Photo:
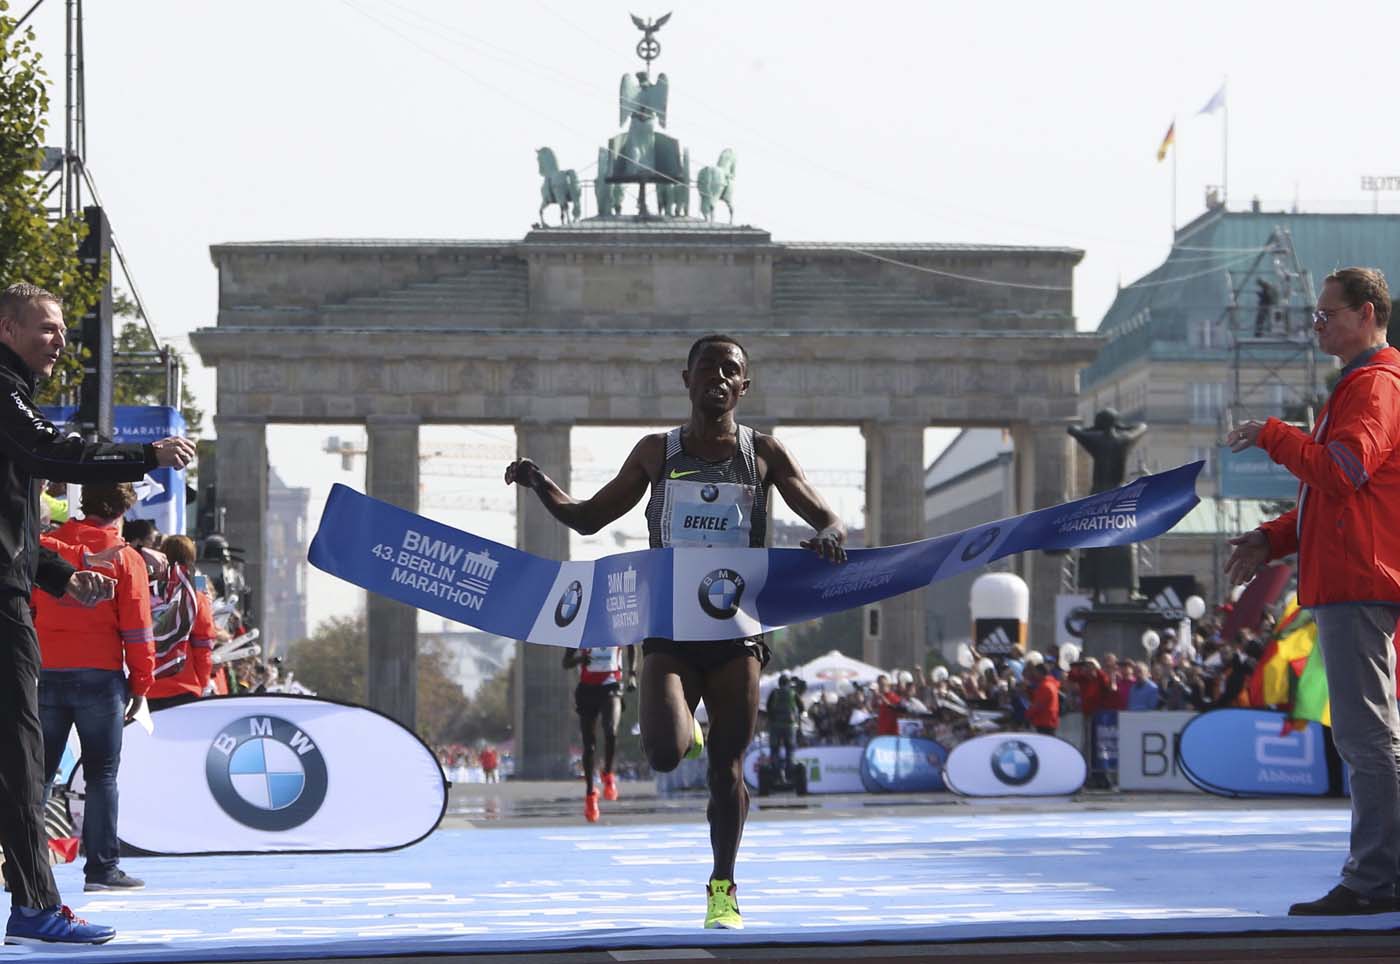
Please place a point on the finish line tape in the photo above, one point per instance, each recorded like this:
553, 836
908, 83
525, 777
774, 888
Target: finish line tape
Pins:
695, 594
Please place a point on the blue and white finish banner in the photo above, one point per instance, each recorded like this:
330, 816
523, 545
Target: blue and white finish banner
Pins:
695, 594
268, 774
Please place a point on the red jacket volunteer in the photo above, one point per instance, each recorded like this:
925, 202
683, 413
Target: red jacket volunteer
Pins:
1349, 474
115, 634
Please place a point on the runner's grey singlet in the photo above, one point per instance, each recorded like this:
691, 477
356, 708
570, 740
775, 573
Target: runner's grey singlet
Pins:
698, 503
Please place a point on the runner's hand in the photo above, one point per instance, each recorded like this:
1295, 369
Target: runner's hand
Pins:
134, 705
827, 544
524, 473
89, 588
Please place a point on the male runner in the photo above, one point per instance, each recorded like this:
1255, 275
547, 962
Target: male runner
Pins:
713, 468
599, 693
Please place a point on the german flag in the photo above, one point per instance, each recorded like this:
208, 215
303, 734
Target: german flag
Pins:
1167, 142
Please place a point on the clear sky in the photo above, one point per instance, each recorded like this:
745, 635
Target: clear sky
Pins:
880, 121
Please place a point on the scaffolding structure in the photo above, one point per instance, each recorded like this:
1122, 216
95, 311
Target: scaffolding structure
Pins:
1274, 368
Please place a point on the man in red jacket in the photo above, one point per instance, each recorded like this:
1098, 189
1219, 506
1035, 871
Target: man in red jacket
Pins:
1044, 711
1348, 552
82, 684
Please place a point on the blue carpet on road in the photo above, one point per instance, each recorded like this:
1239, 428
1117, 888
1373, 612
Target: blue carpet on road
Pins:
936, 878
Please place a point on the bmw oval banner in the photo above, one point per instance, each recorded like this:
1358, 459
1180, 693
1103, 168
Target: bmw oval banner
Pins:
1015, 765
260, 774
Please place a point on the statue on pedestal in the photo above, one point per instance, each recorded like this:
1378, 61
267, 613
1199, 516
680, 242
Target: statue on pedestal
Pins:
1108, 442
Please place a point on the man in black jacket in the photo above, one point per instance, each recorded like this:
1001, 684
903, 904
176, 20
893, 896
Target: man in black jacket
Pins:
32, 337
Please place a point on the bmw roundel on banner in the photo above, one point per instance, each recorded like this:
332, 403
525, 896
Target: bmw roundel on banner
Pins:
1015, 765
564, 616
901, 764
267, 774
1253, 753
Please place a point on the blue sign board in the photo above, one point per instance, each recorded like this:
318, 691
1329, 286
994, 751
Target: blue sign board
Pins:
145, 423
902, 764
1253, 753
1251, 474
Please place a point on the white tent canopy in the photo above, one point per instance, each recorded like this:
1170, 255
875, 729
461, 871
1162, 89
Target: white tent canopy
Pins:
821, 674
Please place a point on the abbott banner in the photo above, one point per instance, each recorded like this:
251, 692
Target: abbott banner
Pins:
263, 774
694, 594
1253, 753
1015, 765
1147, 751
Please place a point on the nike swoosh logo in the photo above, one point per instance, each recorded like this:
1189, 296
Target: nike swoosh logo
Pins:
681, 475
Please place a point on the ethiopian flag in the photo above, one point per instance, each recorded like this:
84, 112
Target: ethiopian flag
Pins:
1285, 659
1167, 142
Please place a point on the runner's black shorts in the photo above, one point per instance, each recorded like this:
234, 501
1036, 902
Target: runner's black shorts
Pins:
709, 656
590, 697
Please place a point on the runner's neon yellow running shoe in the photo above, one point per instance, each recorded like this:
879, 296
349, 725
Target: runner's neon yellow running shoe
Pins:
723, 910
697, 741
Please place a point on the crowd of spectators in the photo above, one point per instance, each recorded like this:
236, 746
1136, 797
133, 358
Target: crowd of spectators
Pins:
1031, 692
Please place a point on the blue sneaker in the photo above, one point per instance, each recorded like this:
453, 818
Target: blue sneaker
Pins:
54, 925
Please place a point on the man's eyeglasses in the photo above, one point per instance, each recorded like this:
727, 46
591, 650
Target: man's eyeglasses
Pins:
1323, 315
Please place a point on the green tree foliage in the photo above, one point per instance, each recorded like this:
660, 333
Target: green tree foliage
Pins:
32, 247
332, 661
131, 388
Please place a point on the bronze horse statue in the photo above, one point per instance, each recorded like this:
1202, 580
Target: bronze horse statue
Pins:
559, 187
717, 184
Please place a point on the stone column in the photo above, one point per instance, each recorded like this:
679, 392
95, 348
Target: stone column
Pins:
391, 474
1044, 473
545, 722
241, 470
894, 513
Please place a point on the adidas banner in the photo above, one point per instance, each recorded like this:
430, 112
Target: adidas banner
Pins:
695, 594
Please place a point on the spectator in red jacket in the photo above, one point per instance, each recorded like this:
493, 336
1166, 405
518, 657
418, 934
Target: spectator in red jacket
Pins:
82, 682
1044, 711
1095, 688
887, 707
184, 632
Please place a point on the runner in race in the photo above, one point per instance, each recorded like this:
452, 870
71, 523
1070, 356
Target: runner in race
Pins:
708, 482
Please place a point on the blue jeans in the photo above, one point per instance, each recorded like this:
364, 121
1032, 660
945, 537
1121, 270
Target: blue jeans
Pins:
94, 700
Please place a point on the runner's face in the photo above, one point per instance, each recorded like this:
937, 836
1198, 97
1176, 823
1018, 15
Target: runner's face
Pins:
718, 379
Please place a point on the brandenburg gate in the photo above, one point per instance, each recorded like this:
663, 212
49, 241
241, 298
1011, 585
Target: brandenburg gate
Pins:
588, 322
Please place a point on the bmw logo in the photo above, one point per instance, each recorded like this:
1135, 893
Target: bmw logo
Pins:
720, 592
710, 492
981, 543
569, 604
266, 773
1015, 763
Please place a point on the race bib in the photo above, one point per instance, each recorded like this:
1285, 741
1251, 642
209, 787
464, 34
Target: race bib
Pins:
705, 514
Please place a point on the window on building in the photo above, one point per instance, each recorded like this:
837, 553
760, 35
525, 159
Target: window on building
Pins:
1207, 401
1206, 454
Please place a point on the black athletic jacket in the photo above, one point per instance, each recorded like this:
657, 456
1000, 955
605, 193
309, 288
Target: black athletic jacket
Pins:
30, 449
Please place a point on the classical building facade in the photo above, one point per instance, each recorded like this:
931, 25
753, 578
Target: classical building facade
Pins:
588, 325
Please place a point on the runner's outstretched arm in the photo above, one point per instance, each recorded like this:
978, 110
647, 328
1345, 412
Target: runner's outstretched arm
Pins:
787, 477
610, 503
